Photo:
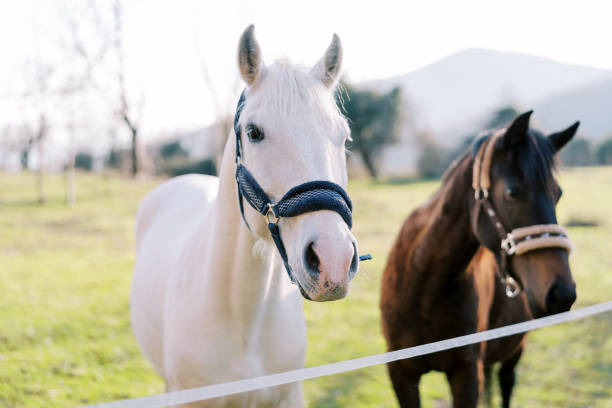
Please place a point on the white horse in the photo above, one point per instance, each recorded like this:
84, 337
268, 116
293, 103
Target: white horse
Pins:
211, 301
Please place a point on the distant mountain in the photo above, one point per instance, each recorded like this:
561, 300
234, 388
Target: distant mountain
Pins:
591, 104
453, 96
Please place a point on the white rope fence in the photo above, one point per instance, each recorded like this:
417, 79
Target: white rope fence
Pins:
235, 387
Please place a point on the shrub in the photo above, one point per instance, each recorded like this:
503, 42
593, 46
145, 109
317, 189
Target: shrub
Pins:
83, 161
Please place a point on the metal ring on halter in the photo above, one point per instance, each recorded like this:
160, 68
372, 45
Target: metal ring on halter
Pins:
271, 215
512, 287
481, 193
508, 244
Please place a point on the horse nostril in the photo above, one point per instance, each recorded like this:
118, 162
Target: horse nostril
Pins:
560, 298
311, 258
354, 262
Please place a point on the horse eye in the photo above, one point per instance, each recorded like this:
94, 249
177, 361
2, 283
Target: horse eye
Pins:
513, 192
254, 134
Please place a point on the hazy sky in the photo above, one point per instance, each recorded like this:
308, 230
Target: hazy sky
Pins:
166, 40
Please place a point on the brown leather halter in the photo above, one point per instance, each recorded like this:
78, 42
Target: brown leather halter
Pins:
519, 240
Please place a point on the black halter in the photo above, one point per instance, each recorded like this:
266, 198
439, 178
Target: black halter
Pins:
301, 199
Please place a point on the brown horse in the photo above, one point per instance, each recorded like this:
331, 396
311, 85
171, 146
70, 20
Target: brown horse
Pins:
442, 276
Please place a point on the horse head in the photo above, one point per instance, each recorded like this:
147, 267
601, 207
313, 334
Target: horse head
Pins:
515, 215
290, 132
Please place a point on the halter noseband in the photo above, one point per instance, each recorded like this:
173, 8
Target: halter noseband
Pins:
519, 240
307, 197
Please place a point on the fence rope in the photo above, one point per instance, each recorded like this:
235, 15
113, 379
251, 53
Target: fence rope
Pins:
251, 384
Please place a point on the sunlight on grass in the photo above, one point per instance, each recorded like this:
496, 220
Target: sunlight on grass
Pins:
65, 274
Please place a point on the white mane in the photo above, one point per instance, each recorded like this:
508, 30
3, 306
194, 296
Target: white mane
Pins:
289, 90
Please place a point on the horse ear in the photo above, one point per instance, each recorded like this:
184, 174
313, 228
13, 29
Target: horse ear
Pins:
249, 56
560, 139
328, 67
517, 130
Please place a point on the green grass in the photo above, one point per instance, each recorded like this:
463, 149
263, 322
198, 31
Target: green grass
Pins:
65, 273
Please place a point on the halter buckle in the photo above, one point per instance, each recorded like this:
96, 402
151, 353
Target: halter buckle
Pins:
508, 244
271, 215
481, 193
512, 287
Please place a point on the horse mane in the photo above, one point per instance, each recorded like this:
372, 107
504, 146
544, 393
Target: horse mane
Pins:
534, 157
287, 88
455, 165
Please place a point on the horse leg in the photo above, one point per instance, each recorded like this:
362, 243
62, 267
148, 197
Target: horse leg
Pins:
466, 384
488, 383
507, 377
405, 384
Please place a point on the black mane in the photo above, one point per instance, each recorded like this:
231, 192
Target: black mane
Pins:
534, 157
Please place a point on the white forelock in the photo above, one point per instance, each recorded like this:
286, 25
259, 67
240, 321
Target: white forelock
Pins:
287, 89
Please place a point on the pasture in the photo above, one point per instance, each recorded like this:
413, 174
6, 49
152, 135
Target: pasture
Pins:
65, 275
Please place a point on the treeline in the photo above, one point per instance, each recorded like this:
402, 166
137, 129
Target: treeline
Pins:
435, 159
375, 120
582, 152
170, 158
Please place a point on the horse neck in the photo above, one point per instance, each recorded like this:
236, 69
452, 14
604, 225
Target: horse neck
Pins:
244, 286
448, 243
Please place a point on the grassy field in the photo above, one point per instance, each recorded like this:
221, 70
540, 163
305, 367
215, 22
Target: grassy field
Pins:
65, 273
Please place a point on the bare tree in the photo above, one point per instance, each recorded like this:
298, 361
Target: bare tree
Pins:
221, 91
34, 137
38, 99
109, 52
71, 194
40, 135
47, 83
125, 109
223, 104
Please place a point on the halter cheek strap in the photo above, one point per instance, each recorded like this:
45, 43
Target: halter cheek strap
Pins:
304, 198
307, 197
519, 240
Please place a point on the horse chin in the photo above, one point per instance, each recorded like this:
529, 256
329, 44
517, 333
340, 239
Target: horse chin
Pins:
537, 311
321, 291
337, 293
326, 296
535, 307
302, 291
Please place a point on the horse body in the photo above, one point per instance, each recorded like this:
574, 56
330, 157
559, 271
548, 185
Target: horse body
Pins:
211, 299
199, 287
442, 275
428, 294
